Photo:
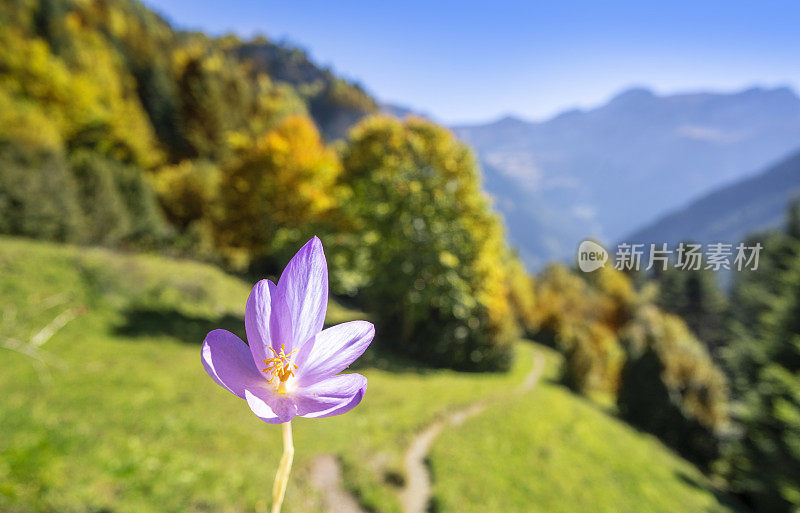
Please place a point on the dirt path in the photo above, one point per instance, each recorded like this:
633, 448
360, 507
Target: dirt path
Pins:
416, 494
326, 474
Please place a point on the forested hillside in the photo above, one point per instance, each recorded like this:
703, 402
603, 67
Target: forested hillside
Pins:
755, 336
335, 104
142, 136
182, 94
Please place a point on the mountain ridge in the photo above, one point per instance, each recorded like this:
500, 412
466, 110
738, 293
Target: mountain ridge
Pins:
603, 172
730, 213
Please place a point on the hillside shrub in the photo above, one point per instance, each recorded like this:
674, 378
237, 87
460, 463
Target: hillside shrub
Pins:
38, 195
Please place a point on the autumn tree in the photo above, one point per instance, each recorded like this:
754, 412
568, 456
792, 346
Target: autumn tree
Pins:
671, 387
276, 189
425, 249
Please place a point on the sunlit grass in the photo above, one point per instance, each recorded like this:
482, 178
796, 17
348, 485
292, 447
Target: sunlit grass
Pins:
128, 421
552, 451
125, 419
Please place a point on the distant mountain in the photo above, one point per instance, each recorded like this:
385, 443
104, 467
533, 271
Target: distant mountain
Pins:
606, 171
730, 213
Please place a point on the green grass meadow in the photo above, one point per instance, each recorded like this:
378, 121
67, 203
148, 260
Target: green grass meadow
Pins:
552, 451
116, 414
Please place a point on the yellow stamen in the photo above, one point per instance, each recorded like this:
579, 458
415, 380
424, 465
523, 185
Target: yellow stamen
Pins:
280, 366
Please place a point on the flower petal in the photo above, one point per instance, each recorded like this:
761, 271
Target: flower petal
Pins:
266, 321
257, 316
304, 287
261, 409
227, 360
332, 396
333, 350
269, 406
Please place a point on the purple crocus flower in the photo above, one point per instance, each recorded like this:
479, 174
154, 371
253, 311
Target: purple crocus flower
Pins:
292, 365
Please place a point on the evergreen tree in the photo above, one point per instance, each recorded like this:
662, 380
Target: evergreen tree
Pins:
793, 220
763, 463
146, 224
106, 217
695, 296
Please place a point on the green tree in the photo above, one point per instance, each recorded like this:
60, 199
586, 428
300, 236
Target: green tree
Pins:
763, 358
756, 296
695, 296
105, 214
38, 196
793, 220
146, 225
430, 249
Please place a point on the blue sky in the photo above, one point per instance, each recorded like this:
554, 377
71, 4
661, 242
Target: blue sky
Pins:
476, 61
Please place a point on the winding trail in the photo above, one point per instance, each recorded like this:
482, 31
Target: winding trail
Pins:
416, 494
326, 473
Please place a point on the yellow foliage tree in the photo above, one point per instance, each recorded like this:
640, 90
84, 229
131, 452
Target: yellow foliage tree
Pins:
671, 386
188, 191
87, 96
278, 185
522, 293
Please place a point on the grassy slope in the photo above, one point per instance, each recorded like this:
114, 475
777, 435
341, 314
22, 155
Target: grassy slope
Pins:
551, 451
128, 421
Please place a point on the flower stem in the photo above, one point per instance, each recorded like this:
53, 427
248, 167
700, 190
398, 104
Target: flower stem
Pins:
282, 476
